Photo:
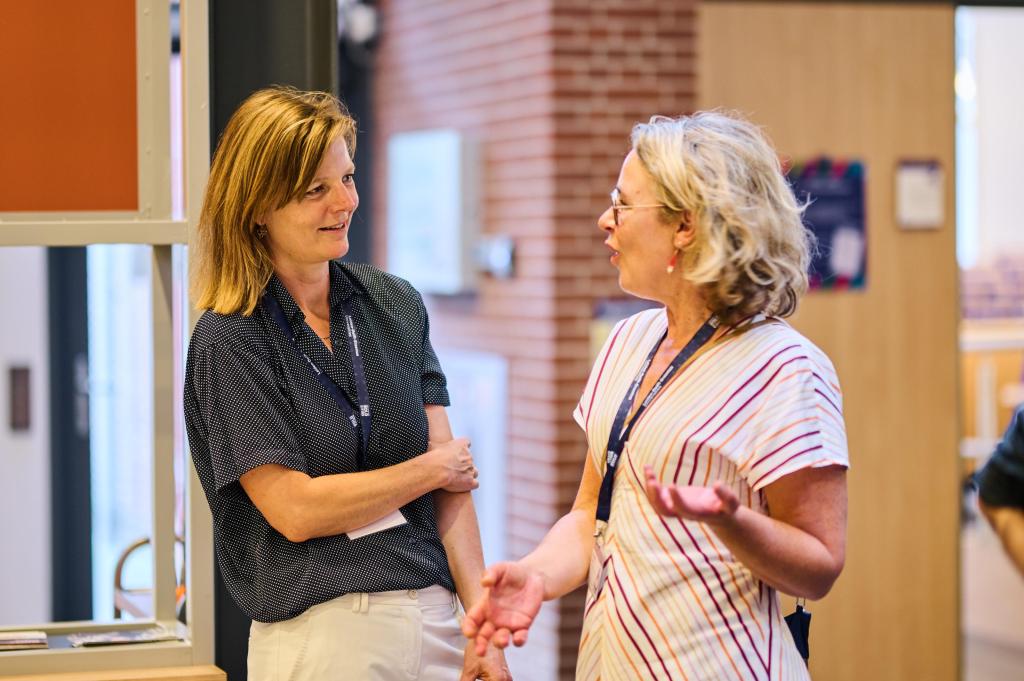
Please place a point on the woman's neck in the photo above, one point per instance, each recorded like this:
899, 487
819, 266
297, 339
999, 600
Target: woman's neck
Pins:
308, 285
686, 314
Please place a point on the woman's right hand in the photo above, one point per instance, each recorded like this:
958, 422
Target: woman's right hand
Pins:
513, 594
455, 462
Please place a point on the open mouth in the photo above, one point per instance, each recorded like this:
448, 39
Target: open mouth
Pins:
333, 228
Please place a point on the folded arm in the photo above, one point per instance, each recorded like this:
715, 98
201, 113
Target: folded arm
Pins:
460, 534
456, 521
301, 507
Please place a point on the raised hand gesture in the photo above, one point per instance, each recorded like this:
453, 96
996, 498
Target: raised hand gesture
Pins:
512, 598
705, 504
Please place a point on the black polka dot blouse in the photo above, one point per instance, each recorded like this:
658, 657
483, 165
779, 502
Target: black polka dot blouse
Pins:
251, 399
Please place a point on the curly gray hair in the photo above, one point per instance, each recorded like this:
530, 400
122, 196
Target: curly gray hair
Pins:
751, 251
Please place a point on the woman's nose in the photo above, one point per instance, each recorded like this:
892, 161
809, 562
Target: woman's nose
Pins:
344, 198
605, 221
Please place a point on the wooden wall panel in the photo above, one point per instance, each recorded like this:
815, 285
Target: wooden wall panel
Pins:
874, 82
198, 673
68, 117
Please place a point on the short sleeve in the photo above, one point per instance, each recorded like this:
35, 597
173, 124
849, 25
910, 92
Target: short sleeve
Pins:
1001, 481
433, 383
244, 413
800, 422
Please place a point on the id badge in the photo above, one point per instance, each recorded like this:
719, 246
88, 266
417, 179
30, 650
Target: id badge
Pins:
393, 519
598, 572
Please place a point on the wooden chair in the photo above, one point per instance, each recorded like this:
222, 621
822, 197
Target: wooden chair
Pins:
138, 602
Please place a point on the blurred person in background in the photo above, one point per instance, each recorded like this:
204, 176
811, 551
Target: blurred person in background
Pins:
716, 470
1001, 490
315, 408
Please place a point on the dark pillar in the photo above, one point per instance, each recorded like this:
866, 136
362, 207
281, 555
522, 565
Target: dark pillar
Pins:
253, 44
70, 486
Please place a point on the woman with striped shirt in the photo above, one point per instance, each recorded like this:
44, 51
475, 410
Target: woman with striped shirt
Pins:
716, 472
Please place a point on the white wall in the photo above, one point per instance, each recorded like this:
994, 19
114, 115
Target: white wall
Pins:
478, 386
998, 69
24, 456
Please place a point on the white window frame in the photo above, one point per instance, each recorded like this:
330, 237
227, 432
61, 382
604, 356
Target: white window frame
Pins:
151, 225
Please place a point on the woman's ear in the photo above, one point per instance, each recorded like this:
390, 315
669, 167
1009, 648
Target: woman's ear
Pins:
685, 231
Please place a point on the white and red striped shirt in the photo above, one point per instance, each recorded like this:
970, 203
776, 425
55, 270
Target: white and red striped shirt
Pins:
674, 602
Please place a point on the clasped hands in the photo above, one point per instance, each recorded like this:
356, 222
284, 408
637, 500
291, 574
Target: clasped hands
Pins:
513, 592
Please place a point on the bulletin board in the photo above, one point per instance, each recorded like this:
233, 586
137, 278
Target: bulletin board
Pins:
834, 192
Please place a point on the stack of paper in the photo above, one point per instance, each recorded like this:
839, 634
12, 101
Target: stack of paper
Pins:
22, 640
123, 637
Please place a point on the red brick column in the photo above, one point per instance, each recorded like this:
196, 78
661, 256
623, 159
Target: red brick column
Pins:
549, 89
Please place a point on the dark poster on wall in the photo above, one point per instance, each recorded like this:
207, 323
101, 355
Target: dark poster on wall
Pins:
834, 191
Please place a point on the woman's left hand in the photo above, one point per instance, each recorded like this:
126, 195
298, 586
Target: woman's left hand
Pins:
488, 667
704, 504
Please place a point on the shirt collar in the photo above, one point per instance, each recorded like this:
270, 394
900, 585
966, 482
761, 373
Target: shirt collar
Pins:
341, 289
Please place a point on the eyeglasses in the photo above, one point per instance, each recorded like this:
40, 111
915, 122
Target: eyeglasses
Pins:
618, 207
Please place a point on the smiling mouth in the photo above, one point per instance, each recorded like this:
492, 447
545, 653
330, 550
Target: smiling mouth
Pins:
333, 228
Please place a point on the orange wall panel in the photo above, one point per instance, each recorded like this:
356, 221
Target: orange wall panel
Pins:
68, 132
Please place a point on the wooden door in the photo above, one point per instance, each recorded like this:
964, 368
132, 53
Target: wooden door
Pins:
874, 82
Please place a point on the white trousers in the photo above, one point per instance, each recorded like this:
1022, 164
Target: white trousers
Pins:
388, 636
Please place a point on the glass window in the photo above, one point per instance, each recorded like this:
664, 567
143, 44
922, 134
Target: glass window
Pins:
78, 460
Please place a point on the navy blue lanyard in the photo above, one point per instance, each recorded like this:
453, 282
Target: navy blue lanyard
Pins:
361, 423
620, 431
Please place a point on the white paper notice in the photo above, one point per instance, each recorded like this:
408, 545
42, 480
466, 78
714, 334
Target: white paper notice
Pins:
393, 519
847, 256
920, 195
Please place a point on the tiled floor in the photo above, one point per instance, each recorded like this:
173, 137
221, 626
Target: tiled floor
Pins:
987, 661
992, 608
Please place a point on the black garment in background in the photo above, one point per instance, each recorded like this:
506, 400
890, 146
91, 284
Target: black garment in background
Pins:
1001, 481
254, 44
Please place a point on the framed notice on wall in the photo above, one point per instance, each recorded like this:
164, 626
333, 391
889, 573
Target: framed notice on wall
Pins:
432, 209
834, 192
920, 194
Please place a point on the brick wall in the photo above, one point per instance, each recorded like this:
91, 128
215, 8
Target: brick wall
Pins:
549, 89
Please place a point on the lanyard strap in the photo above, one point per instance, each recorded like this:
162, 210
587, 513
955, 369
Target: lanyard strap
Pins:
621, 430
361, 423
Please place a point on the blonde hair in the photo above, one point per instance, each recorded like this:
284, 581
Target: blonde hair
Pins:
751, 251
268, 155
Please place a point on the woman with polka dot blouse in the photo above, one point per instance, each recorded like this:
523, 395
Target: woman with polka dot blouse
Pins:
315, 409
